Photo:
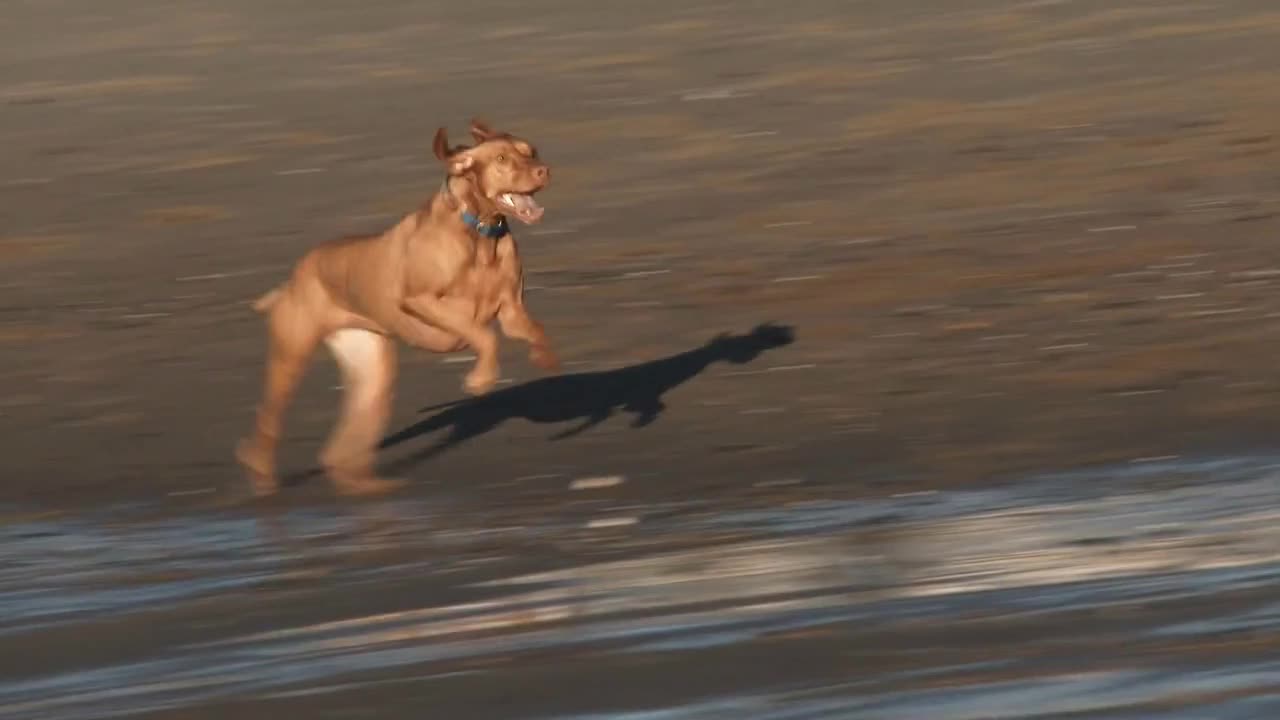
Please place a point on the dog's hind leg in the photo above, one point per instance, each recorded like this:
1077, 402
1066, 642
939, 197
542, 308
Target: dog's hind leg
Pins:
292, 338
367, 361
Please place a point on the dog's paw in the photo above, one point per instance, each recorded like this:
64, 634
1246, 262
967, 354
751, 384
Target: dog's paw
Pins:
478, 382
260, 469
545, 358
367, 485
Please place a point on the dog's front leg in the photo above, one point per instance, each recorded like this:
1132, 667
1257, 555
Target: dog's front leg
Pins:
453, 318
517, 323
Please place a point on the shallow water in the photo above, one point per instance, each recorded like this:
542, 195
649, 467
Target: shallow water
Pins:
1143, 590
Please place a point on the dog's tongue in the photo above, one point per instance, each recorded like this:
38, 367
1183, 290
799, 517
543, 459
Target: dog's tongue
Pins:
527, 209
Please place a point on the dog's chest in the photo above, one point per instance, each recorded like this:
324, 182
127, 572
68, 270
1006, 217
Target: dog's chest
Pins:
480, 274
486, 284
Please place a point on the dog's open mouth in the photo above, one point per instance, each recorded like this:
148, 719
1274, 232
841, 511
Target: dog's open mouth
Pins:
524, 206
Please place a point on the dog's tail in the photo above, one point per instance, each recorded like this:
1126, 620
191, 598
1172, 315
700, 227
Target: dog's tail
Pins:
267, 301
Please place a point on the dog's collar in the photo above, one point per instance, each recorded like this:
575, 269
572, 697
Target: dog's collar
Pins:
492, 230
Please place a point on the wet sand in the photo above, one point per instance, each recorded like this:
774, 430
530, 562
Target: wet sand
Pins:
1009, 240
1145, 591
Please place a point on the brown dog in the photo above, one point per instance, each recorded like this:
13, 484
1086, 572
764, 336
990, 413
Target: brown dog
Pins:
436, 280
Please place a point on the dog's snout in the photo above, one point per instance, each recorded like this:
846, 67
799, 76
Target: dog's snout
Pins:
542, 173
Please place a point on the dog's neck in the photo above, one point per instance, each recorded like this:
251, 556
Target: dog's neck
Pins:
492, 226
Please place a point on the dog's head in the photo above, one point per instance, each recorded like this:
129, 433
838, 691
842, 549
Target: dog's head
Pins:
741, 349
504, 170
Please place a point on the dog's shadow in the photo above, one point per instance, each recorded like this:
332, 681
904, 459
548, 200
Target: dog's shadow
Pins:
589, 397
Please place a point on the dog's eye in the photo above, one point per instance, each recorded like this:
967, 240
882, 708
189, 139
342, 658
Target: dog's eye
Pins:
502, 158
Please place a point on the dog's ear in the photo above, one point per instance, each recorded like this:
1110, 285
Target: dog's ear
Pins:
481, 131
456, 160
441, 145
461, 163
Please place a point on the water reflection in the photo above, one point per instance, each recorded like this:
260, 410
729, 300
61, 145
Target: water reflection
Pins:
1115, 537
